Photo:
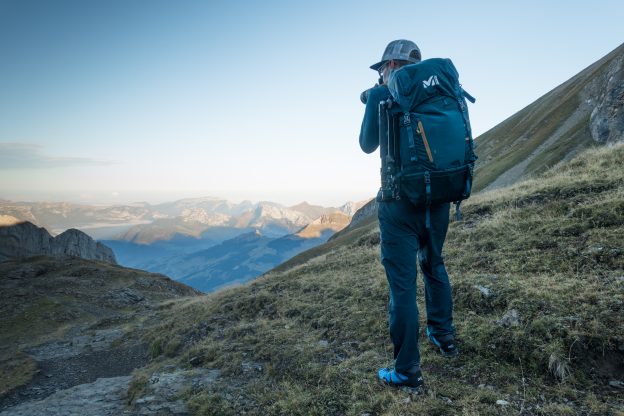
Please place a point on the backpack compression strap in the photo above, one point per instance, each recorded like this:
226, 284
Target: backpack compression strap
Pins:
410, 135
427, 200
468, 96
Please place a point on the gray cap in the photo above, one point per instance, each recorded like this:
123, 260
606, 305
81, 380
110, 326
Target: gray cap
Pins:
401, 49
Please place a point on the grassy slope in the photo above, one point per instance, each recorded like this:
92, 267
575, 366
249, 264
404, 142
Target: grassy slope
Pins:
308, 340
513, 140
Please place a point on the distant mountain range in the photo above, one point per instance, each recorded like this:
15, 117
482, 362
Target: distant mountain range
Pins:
226, 255
246, 256
144, 223
187, 239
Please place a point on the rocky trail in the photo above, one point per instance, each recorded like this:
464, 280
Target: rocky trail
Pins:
88, 372
87, 361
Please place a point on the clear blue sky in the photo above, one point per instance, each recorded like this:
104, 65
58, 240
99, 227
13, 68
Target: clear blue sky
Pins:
133, 100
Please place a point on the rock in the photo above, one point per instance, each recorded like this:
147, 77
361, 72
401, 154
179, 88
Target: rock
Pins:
616, 384
124, 297
247, 366
364, 212
510, 319
26, 240
74, 242
606, 122
485, 291
502, 402
323, 343
162, 393
105, 397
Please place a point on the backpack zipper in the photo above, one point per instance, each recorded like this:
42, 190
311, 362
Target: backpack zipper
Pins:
421, 131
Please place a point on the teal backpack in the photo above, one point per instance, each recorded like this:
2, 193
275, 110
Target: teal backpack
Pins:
425, 136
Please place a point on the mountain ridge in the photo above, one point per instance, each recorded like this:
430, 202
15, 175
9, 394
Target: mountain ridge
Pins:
584, 111
24, 239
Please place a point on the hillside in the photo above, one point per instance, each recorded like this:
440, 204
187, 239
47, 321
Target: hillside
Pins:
537, 272
68, 321
585, 111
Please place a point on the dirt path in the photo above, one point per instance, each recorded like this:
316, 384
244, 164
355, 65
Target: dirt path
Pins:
103, 397
57, 374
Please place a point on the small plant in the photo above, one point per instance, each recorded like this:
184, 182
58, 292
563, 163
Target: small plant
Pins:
156, 348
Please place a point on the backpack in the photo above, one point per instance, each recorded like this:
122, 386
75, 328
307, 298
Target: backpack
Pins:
426, 136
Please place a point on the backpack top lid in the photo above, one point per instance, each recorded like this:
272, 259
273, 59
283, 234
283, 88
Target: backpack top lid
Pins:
414, 84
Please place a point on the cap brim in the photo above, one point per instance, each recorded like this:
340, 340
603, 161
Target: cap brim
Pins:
375, 67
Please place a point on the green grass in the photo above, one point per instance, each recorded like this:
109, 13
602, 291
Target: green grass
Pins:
33, 319
308, 339
17, 370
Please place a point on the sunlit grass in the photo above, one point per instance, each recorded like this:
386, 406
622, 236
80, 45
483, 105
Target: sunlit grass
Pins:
308, 340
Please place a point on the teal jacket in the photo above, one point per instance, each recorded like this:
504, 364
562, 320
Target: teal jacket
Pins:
369, 133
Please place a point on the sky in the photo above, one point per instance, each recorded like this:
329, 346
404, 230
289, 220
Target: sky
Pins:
115, 101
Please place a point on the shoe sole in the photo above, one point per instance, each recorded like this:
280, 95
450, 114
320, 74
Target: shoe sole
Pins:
444, 353
406, 389
448, 355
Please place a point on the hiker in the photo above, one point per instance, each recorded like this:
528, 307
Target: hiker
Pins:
409, 232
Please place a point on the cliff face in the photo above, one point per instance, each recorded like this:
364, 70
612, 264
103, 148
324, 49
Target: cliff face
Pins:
607, 118
26, 239
76, 243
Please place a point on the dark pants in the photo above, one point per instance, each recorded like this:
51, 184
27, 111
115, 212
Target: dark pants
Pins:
404, 238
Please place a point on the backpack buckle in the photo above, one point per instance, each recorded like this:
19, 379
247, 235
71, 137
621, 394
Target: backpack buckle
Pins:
406, 119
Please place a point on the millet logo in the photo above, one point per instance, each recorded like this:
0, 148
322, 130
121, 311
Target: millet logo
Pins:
433, 80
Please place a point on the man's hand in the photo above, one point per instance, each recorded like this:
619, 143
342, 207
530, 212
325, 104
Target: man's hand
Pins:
365, 94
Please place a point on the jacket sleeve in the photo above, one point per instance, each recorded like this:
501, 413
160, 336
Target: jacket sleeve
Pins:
369, 134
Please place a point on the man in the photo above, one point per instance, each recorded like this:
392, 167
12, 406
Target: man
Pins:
405, 238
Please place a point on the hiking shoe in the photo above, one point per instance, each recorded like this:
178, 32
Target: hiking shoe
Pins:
446, 343
412, 382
